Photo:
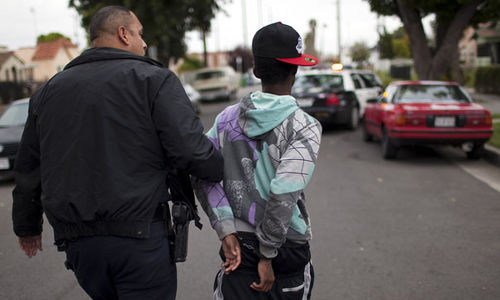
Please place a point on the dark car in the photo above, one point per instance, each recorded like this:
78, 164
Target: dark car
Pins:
335, 97
427, 113
11, 129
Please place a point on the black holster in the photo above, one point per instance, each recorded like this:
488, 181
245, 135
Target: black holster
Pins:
180, 218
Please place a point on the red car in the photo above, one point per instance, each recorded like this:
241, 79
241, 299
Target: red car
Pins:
429, 113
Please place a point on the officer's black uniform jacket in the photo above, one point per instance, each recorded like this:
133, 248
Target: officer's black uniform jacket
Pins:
99, 140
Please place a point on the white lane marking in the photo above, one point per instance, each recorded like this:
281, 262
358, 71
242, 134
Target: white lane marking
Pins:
483, 171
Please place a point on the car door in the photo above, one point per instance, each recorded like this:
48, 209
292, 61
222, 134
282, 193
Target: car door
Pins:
362, 93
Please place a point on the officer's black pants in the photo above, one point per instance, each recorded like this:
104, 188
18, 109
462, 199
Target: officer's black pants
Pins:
110, 267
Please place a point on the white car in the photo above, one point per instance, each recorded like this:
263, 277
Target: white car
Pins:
336, 96
194, 96
216, 83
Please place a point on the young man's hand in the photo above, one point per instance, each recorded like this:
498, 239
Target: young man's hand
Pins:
266, 275
31, 244
232, 251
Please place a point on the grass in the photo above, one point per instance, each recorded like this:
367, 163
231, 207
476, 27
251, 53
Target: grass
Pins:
495, 139
495, 116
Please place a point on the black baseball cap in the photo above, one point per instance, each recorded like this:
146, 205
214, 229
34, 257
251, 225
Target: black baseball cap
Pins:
283, 43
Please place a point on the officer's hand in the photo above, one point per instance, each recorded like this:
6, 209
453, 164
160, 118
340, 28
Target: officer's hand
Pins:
266, 275
31, 244
232, 251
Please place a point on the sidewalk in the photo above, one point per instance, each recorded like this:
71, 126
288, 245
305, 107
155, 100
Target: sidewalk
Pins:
490, 101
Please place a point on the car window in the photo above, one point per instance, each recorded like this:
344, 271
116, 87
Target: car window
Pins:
318, 80
15, 115
370, 80
209, 75
389, 92
430, 93
356, 81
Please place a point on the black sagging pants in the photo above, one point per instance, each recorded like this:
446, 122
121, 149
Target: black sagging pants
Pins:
111, 267
292, 268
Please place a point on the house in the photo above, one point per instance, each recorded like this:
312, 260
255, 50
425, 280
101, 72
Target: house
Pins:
11, 67
488, 43
467, 48
48, 58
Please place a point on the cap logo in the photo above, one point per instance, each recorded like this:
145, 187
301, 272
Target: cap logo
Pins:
311, 60
299, 45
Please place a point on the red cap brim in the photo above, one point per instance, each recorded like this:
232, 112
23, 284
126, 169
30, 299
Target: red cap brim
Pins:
304, 60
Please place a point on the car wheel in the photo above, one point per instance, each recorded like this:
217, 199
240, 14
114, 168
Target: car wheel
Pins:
389, 151
353, 118
367, 137
476, 151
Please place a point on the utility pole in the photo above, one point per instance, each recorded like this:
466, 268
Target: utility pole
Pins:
259, 12
244, 20
338, 31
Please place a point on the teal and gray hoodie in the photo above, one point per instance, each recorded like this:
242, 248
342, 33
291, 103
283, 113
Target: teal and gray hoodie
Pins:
270, 147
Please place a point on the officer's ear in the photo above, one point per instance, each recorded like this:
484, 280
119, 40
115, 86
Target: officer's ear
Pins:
124, 35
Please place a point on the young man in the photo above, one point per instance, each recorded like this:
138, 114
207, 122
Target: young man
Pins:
100, 139
270, 147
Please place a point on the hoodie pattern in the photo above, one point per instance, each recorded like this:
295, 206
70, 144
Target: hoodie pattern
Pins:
270, 147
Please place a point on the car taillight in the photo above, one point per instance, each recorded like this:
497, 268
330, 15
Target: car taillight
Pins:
488, 120
400, 119
333, 99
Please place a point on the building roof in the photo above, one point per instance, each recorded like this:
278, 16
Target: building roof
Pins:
4, 56
47, 50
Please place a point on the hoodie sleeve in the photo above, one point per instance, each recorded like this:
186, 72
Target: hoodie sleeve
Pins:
292, 175
212, 197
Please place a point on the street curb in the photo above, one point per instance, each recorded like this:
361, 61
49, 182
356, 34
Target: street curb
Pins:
492, 149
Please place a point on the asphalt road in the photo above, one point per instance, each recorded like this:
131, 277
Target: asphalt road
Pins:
423, 226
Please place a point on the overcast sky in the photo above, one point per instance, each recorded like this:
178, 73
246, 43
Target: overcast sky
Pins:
22, 20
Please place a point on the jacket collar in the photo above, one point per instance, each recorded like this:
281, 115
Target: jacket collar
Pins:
105, 53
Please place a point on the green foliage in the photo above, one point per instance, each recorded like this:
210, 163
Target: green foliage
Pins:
401, 47
469, 77
359, 52
165, 22
190, 63
495, 139
384, 77
385, 45
50, 37
394, 45
487, 79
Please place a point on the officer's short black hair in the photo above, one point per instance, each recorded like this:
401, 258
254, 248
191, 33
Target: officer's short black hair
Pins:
272, 71
108, 19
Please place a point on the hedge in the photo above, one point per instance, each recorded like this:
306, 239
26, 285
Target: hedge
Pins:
488, 79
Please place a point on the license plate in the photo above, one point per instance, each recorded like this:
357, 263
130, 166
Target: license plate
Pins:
444, 122
305, 102
4, 164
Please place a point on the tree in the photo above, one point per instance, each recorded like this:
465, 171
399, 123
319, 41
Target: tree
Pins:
360, 52
201, 16
246, 59
50, 37
385, 46
165, 22
190, 63
451, 17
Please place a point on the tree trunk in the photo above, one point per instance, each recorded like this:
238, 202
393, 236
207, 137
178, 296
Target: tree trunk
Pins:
205, 54
427, 66
449, 45
421, 53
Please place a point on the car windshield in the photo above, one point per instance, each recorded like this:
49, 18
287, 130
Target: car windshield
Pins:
430, 93
15, 115
209, 75
307, 82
